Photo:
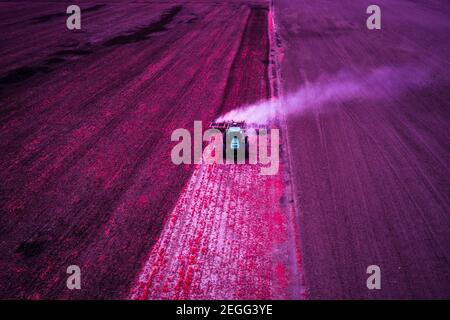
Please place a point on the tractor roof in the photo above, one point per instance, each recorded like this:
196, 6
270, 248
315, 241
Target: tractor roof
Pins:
227, 125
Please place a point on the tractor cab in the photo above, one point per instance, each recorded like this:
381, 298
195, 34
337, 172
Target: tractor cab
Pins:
234, 133
235, 143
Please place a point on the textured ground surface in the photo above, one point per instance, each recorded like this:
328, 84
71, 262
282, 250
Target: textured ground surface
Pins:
230, 241
86, 119
371, 164
86, 176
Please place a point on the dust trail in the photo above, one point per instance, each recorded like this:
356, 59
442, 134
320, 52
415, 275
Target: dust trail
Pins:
378, 84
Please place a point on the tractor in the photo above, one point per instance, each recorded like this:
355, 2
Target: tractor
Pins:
235, 141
